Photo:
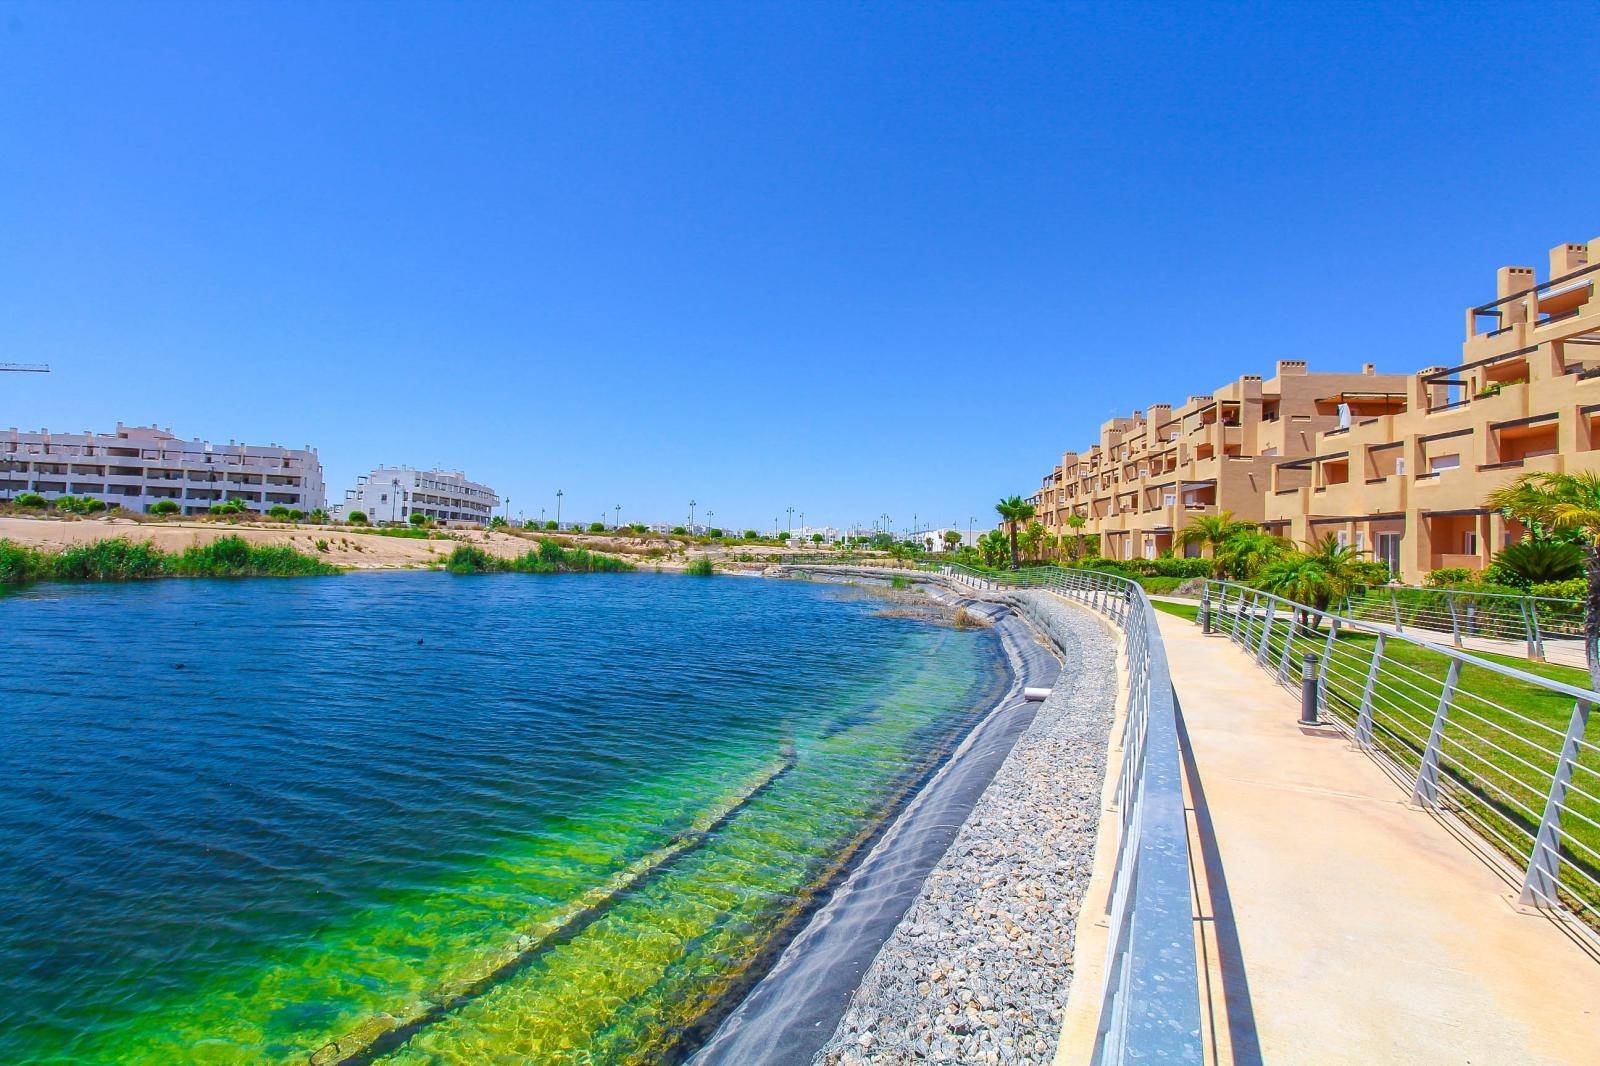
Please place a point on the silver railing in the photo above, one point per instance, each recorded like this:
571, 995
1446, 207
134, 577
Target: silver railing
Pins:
1504, 751
1542, 628
1150, 1005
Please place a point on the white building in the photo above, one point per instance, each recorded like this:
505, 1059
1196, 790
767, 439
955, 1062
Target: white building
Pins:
137, 466
395, 493
936, 535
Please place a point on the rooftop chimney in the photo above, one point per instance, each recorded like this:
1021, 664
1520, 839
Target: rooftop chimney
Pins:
1369, 368
1508, 280
1291, 366
1565, 258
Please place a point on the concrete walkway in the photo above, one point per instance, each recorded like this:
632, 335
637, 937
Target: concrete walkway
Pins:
1345, 926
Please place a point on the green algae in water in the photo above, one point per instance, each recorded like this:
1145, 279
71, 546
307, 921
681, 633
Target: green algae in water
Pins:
864, 718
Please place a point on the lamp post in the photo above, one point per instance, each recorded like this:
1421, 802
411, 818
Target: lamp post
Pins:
616, 520
790, 512
709, 523
559, 494
691, 517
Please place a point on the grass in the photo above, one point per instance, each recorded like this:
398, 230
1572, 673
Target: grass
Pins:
1498, 745
120, 559
701, 566
548, 558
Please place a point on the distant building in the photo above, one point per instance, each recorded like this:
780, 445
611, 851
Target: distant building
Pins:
395, 493
936, 535
137, 466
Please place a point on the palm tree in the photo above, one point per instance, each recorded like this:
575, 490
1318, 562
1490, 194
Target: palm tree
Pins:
1564, 502
1321, 574
1211, 531
1014, 509
1249, 553
992, 547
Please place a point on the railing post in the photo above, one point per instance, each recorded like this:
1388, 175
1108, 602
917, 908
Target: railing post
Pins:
1288, 643
1426, 789
1327, 650
1205, 609
1536, 649
1455, 621
1394, 605
1542, 878
1527, 626
1266, 634
1364, 713
1238, 614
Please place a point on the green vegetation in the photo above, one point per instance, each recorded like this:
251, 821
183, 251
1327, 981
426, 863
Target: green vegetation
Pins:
418, 520
597, 527
1014, 509
1567, 505
548, 558
120, 559
229, 507
31, 499
78, 504
357, 518
552, 524
701, 566
164, 507
751, 534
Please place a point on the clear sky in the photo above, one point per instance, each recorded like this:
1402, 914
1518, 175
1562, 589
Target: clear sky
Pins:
854, 259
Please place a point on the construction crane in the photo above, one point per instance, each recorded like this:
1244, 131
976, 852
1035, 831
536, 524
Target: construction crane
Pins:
26, 368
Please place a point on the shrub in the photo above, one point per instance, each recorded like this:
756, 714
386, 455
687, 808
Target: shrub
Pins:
467, 559
751, 534
296, 515
356, 518
117, 559
714, 534
1538, 562
701, 566
784, 537
679, 531
640, 528
418, 519
318, 515
20, 564
79, 504
1447, 577
31, 499
237, 557
164, 507
278, 511
1575, 588
597, 527
552, 524
229, 507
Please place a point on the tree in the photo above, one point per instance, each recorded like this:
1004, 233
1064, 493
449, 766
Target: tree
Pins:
1318, 576
817, 538
1211, 531
357, 518
751, 534
1564, 503
418, 519
1033, 536
597, 527
1014, 509
783, 537
952, 537
552, 524
1248, 553
1077, 522
992, 547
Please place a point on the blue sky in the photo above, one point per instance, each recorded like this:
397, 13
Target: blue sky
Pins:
851, 259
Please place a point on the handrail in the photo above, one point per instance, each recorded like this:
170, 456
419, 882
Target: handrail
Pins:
1150, 1002
1506, 755
1535, 622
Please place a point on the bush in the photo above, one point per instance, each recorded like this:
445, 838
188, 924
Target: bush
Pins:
467, 559
679, 531
357, 518
597, 527
118, 559
548, 558
1575, 588
751, 534
783, 537
1538, 562
552, 524
31, 499
278, 511
1448, 577
701, 566
318, 515
79, 504
229, 507
714, 534
164, 507
418, 519
640, 528
237, 557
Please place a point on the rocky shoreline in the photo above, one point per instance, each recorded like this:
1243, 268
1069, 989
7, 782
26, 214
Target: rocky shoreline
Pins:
979, 968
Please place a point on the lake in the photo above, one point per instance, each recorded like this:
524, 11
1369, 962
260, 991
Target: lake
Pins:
416, 818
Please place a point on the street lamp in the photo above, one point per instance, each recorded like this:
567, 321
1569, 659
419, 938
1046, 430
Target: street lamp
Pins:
616, 521
691, 516
559, 494
790, 511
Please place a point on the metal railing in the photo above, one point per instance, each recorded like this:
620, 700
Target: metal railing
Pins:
1541, 627
1503, 751
1150, 1005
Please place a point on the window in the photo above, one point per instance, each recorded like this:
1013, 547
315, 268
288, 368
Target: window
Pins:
1389, 551
1361, 541
1344, 538
1443, 462
1469, 543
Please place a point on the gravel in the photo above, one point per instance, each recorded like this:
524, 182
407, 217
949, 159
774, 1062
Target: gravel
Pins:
978, 969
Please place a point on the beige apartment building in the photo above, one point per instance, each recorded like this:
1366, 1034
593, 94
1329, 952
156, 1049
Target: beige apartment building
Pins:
1408, 485
1153, 471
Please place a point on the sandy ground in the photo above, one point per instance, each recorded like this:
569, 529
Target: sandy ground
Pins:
348, 546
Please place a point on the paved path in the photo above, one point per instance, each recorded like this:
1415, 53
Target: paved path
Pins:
1361, 930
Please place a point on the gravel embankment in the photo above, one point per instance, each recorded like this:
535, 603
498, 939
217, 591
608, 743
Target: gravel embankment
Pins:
978, 969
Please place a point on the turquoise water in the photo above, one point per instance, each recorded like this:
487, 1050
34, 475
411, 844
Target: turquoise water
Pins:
413, 818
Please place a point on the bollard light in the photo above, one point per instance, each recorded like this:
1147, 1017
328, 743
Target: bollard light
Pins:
1308, 690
